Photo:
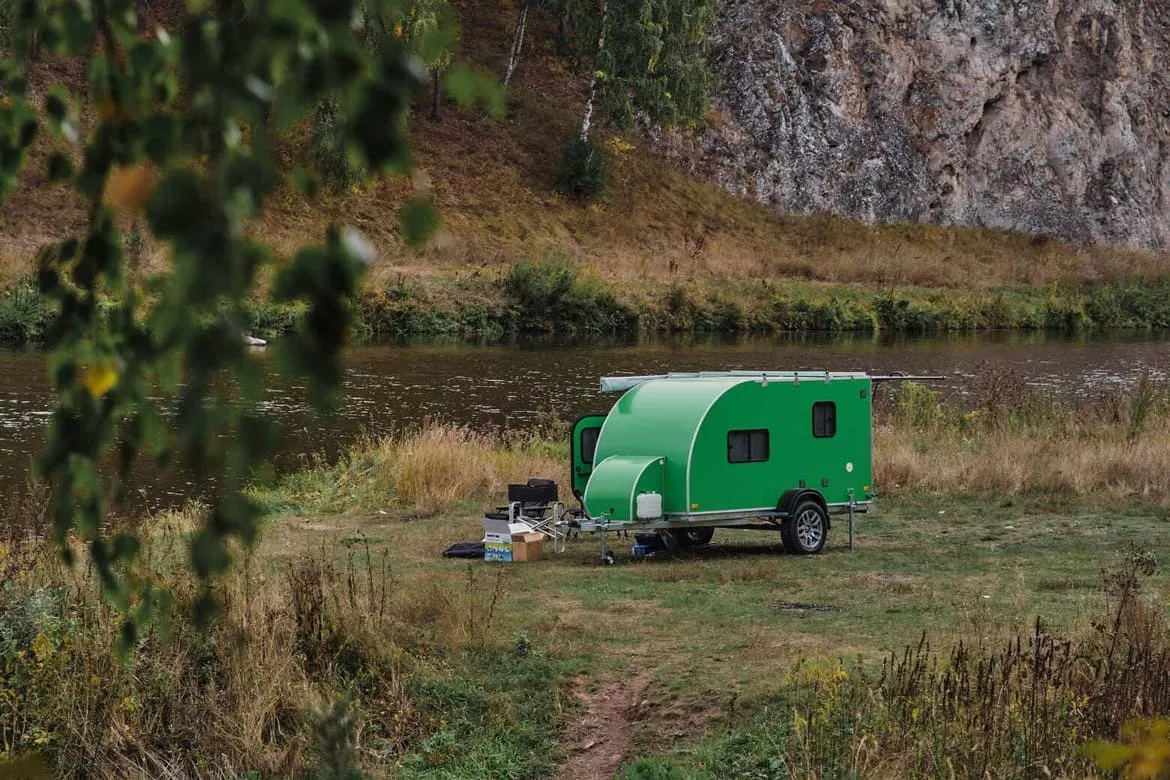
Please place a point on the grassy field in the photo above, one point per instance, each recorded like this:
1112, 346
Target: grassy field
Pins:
346, 640
713, 622
720, 631
983, 624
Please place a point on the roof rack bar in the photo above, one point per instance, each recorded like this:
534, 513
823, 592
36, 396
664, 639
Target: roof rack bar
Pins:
611, 384
907, 378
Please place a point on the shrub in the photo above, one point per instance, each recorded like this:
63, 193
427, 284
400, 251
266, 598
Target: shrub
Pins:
582, 174
550, 295
917, 406
330, 156
24, 314
539, 288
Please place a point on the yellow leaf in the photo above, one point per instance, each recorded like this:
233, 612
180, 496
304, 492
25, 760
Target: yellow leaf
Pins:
100, 379
42, 646
129, 187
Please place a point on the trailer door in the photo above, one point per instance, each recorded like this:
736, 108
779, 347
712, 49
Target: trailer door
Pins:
582, 448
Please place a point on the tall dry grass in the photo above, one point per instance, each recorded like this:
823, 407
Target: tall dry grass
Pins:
1011, 440
1017, 440
425, 470
323, 664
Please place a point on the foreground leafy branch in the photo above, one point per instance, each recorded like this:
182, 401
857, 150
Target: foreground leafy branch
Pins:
181, 132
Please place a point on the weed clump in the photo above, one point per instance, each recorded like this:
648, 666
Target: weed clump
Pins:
24, 314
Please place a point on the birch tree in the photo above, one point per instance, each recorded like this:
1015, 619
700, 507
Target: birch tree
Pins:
517, 43
647, 61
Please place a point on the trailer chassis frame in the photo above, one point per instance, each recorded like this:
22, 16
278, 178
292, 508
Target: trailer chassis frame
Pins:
760, 521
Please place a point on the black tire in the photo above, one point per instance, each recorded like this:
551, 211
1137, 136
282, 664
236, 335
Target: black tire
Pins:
692, 537
806, 532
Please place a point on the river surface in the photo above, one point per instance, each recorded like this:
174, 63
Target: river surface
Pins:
515, 385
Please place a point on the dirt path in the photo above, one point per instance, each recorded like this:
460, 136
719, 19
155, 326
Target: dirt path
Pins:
604, 735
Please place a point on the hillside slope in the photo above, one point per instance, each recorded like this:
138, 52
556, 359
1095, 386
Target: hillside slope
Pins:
658, 229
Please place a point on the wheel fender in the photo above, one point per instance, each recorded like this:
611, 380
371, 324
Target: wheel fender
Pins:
789, 501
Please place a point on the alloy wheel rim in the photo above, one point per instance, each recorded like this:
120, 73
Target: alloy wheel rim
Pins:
808, 529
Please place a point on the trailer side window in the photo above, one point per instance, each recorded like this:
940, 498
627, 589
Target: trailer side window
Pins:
589, 438
824, 419
747, 446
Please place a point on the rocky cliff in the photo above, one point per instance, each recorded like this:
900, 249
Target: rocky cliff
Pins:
1045, 116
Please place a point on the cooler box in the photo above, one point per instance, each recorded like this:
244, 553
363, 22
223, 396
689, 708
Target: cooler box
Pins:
497, 539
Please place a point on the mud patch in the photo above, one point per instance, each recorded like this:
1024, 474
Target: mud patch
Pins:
793, 606
605, 733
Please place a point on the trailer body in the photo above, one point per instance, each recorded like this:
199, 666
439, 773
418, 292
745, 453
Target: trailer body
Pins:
727, 448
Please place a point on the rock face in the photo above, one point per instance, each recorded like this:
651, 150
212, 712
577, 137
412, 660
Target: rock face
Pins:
1045, 116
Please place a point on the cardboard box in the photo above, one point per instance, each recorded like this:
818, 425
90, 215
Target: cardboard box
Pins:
527, 547
497, 540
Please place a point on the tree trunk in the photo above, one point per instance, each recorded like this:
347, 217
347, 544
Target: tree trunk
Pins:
517, 43
140, 12
436, 93
587, 121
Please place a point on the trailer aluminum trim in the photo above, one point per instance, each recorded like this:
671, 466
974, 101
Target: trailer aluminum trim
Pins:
739, 517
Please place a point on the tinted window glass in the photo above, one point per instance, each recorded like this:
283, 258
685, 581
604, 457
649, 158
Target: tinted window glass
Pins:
589, 443
824, 419
747, 446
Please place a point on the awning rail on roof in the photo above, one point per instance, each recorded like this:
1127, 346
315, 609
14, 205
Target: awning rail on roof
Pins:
617, 384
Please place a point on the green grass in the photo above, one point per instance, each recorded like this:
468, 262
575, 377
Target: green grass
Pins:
708, 624
495, 715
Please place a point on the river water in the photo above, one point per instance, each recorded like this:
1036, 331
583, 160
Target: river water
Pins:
516, 384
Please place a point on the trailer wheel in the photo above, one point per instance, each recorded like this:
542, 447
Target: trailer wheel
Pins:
807, 530
692, 537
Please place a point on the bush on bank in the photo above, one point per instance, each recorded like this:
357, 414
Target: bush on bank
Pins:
555, 296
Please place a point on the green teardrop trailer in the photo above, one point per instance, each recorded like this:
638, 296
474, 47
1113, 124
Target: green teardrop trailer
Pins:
747, 449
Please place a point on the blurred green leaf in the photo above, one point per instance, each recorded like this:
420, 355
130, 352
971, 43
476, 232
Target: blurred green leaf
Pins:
469, 86
418, 220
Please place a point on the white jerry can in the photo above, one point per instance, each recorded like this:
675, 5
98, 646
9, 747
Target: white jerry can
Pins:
649, 506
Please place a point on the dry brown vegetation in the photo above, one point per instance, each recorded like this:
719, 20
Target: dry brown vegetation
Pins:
324, 664
1015, 440
425, 471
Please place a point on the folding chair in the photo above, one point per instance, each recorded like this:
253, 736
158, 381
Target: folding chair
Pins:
537, 504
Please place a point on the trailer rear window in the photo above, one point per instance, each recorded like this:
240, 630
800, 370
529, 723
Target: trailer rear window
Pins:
589, 438
824, 419
747, 446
